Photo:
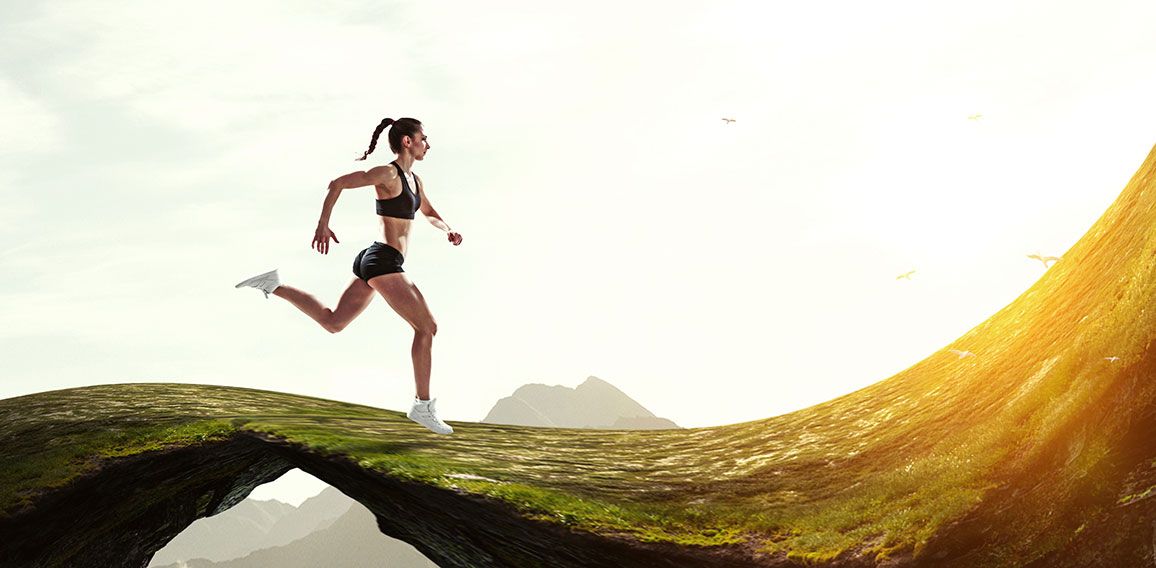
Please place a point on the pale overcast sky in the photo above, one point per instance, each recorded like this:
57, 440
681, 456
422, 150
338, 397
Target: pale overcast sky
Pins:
155, 153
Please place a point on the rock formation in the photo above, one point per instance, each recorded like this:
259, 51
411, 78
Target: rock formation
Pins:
1039, 451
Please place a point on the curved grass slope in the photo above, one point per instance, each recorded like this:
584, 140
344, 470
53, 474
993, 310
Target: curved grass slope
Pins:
1006, 458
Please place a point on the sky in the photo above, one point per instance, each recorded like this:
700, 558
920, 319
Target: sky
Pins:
156, 153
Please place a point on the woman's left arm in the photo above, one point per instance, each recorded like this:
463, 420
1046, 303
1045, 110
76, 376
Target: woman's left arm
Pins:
432, 214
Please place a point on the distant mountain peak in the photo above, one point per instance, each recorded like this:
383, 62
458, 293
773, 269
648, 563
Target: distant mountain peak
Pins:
594, 383
593, 404
592, 380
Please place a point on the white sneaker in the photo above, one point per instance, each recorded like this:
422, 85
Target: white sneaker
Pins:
423, 413
266, 282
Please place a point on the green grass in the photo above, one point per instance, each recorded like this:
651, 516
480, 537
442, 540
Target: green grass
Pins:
64, 458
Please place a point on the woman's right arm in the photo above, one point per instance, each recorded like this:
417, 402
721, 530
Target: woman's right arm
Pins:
373, 176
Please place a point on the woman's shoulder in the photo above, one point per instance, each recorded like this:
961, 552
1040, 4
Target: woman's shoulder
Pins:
382, 174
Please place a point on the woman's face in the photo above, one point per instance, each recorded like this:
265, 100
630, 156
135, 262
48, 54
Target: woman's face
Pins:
417, 144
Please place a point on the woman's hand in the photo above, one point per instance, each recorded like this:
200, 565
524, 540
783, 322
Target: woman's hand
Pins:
455, 237
321, 239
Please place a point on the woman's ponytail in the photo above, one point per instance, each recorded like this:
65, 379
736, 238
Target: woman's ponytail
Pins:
376, 133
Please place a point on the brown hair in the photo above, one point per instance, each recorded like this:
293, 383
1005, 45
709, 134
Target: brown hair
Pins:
401, 127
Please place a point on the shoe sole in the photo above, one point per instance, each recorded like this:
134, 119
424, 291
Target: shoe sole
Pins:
429, 428
256, 278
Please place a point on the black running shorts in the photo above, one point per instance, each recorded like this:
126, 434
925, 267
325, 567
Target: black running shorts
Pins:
379, 258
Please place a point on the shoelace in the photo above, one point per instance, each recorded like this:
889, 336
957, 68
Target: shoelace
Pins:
263, 285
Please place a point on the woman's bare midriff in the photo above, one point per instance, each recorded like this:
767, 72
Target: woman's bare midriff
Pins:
395, 232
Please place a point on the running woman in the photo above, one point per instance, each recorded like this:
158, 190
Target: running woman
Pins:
400, 194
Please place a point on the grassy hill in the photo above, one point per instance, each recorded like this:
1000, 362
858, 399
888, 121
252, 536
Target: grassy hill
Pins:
1037, 451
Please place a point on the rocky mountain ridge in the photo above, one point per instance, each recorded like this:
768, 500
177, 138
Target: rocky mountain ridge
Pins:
594, 404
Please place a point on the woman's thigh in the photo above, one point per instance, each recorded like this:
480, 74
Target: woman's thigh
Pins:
405, 299
354, 300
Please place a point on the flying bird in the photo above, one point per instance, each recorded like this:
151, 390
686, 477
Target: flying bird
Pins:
975, 118
907, 276
1112, 359
1044, 259
962, 354
729, 120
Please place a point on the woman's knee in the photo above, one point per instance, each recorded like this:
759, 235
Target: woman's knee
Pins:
333, 324
426, 329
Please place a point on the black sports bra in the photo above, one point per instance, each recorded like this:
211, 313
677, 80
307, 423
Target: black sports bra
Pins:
405, 204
